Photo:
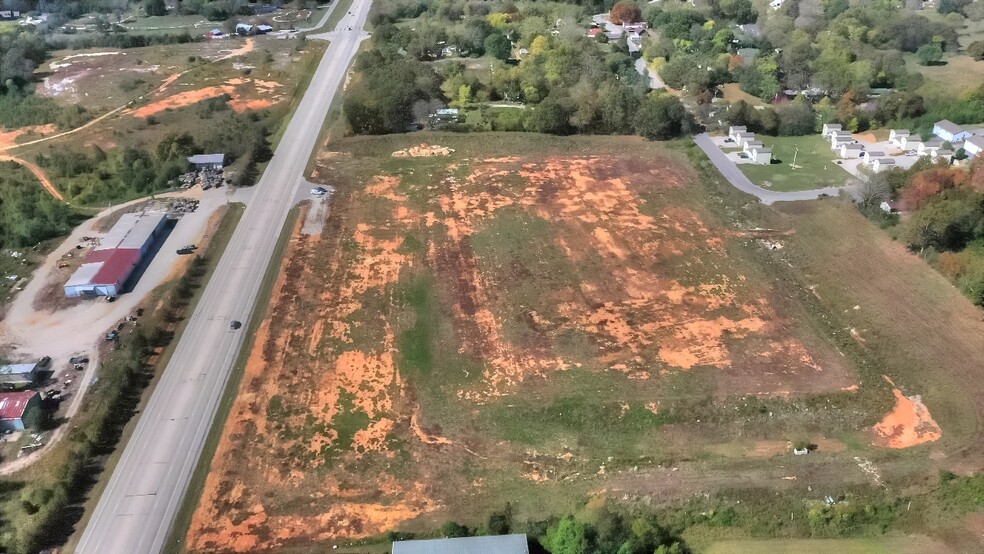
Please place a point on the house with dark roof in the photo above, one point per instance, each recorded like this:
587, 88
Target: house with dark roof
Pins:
496, 544
14, 406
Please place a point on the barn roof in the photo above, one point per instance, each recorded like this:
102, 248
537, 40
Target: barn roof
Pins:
13, 404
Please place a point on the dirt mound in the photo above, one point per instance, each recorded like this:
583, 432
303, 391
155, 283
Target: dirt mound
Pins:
423, 151
908, 424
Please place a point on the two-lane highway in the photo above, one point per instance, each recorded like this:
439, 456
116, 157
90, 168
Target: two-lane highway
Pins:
135, 513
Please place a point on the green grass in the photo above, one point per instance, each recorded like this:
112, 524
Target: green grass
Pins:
886, 545
176, 535
814, 155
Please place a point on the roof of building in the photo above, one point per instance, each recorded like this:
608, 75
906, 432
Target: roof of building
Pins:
833, 126
976, 140
497, 544
872, 154
131, 231
13, 404
17, 369
206, 159
84, 274
885, 161
117, 267
118, 252
852, 146
763, 150
900, 131
262, 27
949, 126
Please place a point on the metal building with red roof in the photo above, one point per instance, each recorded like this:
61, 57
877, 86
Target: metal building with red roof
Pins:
107, 268
13, 406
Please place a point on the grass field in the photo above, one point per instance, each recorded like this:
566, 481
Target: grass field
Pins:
813, 155
888, 545
591, 285
733, 93
959, 74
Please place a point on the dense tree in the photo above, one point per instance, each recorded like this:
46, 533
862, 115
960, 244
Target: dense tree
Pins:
976, 50
155, 7
929, 54
662, 117
498, 46
625, 11
947, 222
796, 118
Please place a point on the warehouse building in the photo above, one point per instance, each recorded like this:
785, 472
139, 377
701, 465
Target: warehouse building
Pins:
106, 269
14, 406
18, 375
495, 544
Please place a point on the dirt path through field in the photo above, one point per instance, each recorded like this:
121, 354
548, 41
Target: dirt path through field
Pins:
38, 172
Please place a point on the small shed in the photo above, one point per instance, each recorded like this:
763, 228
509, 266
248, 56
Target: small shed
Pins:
494, 544
14, 406
18, 375
207, 161
243, 29
263, 29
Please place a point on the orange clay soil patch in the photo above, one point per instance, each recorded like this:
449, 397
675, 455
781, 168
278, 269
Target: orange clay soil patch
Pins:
9, 138
238, 90
908, 424
647, 322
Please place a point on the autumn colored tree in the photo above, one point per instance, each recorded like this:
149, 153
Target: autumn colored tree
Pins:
625, 12
929, 183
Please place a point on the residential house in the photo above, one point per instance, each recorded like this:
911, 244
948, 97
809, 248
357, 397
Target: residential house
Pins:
840, 138
18, 375
974, 145
926, 148
14, 406
829, 129
490, 544
851, 150
881, 164
262, 29
734, 130
761, 155
895, 136
742, 138
910, 143
869, 156
244, 29
950, 131
944, 155
747, 147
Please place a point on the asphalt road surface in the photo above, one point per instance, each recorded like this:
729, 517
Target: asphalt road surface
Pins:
742, 183
135, 513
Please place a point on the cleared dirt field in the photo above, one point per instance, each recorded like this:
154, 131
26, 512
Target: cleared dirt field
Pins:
475, 326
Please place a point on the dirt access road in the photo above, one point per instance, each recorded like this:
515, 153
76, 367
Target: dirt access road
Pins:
135, 513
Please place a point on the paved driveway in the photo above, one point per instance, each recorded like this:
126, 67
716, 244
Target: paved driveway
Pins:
734, 176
